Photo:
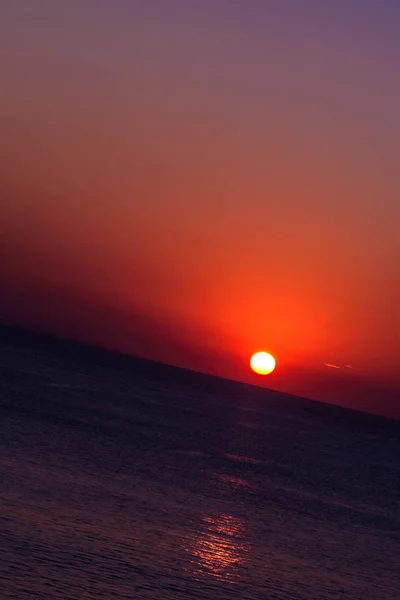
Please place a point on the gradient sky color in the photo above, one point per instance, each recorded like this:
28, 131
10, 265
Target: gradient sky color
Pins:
196, 181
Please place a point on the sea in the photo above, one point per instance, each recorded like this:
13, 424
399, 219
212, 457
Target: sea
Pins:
124, 479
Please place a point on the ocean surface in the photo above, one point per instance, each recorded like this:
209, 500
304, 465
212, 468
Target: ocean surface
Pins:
122, 479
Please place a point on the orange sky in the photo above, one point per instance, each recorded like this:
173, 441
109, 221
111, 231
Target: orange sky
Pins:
222, 180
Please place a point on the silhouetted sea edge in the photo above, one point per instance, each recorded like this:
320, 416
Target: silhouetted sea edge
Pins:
88, 354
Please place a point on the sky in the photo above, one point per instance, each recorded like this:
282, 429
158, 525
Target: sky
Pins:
195, 181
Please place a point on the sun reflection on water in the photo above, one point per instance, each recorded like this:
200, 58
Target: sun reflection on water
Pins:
218, 549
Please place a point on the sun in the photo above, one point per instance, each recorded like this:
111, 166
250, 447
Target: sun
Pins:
262, 363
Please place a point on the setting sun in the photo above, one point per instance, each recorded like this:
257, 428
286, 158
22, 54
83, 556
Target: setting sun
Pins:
262, 363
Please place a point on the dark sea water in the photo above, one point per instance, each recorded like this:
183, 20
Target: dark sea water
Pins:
124, 480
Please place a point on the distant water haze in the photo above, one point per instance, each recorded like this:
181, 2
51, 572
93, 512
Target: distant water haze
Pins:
162, 338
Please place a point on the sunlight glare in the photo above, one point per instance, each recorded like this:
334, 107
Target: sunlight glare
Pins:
262, 363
